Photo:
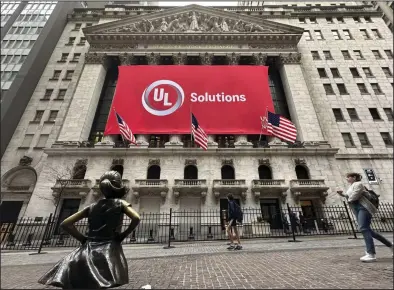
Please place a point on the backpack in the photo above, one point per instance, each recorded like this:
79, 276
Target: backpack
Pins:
239, 215
372, 196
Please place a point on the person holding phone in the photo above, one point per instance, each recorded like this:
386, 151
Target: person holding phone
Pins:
363, 210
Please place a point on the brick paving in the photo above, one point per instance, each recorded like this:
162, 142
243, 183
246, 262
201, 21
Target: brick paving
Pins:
261, 265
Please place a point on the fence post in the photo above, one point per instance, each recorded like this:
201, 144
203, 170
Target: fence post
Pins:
169, 232
43, 237
291, 225
350, 220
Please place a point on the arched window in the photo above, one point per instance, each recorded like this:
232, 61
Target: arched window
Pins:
79, 172
190, 172
265, 172
118, 168
154, 172
228, 172
301, 172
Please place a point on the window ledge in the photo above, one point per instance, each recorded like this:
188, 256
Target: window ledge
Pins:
74, 61
366, 146
39, 148
58, 99
44, 99
343, 121
66, 79
81, 44
23, 147
378, 120
52, 79
356, 120
49, 122
62, 61
69, 44
34, 122
370, 77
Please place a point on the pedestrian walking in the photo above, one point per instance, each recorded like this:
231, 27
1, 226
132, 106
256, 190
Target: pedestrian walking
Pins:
99, 262
235, 217
363, 209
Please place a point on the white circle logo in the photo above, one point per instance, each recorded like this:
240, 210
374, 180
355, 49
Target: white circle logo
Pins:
162, 96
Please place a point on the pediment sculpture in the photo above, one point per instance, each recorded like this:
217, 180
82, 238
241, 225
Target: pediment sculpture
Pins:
192, 22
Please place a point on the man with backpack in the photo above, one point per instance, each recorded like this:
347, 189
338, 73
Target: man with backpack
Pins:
235, 216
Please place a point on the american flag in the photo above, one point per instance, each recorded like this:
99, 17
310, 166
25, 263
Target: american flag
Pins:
199, 136
124, 129
281, 127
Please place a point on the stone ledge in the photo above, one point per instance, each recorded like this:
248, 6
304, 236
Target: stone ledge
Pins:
365, 156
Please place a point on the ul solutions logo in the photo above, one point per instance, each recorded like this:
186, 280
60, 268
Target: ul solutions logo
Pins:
159, 95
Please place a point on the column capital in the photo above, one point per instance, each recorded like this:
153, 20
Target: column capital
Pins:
291, 58
153, 58
233, 59
96, 58
207, 58
179, 58
259, 59
126, 59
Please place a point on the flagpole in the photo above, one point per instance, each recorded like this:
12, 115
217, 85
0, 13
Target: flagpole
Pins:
191, 127
124, 142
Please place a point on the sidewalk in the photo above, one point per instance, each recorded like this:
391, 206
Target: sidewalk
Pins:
197, 248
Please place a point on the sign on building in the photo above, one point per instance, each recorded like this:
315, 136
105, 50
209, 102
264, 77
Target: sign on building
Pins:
372, 179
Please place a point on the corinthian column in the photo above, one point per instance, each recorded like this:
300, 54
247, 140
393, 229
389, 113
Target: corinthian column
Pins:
206, 59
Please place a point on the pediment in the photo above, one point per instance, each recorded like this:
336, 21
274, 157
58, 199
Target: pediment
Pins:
192, 19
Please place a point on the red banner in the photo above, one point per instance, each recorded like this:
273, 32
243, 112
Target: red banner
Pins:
160, 99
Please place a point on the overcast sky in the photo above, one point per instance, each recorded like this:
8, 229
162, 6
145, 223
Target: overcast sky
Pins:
206, 3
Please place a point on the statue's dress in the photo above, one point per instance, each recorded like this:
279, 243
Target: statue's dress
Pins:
99, 262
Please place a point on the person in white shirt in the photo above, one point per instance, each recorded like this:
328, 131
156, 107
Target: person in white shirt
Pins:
363, 210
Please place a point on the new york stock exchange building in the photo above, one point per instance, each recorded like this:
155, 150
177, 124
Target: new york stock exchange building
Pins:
329, 71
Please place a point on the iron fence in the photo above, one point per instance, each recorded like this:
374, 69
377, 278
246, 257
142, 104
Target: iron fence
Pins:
181, 226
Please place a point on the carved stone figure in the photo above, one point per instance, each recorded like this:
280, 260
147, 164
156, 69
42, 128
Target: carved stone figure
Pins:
147, 26
99, 262
224, 25
194, 24
25, 161
163, 25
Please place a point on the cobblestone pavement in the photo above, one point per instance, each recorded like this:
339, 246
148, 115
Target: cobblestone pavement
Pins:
303, 269
332, 262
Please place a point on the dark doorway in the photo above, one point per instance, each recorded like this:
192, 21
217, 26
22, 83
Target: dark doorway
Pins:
224, 207
69, 207
301, 172
154, 172
265, 172
190, 172
271, 213
228, 172
9, 211
118, 168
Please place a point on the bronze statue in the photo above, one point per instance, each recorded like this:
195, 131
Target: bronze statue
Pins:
99, 262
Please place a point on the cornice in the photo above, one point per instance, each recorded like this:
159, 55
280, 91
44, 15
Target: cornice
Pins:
365, 156
258, 152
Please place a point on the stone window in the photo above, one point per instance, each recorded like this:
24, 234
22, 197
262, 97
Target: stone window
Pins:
336, 34
329, 90
313, 20
42, 141
358, 54
315, 55
38, 116
363, 139
89, 24
353, 114
82, 41
190, 172
365, 34
389, 54
377, 34
154, 172
338, 115
118, 168
347, 34
368, 19
342, 89
227, 172
376, 89
354, 72
387, 72
76, 57
64, 57
387, 139
301, 20
56, 74
389, 113
71, 41
327, 54
61, 94
47, 94
375, 114
368, 72
319, 35
302, 172
27, 141
77, 26
347, 138
52, 116
322, 72
69, 75
264, 172
329, 20
357, 19
346, 54
335, 72
308, 35
377, 54
363, 89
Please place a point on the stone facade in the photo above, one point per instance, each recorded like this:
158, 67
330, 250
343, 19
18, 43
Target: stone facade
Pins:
265, 33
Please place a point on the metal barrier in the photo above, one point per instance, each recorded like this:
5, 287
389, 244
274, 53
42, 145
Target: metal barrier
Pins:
182, 226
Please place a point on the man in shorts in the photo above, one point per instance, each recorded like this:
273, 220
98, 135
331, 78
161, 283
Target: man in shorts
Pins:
234, 218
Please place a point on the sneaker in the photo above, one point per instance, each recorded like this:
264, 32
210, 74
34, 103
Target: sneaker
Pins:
238, 247
231, 247
368, 258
